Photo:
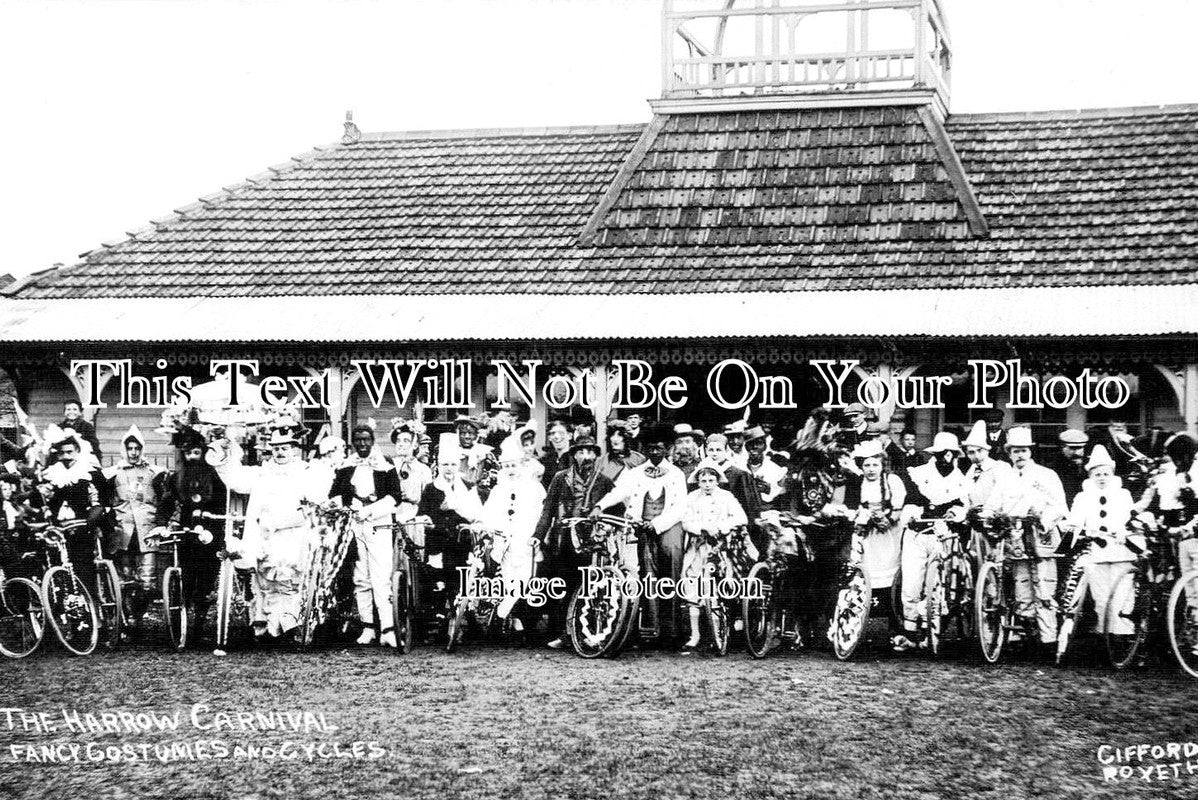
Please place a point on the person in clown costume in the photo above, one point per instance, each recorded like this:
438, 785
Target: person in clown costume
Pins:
512, 511
277, 535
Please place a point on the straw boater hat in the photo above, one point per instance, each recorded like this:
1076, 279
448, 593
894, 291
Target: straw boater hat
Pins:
684, 429
1100, 458
944, 441
871, 448
737, 427
1019, 437
754, 433
977, 436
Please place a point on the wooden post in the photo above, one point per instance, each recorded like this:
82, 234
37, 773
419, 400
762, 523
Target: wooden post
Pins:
921, 15
667, 47
1190, 408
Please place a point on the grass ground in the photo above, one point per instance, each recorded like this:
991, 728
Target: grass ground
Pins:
502, 722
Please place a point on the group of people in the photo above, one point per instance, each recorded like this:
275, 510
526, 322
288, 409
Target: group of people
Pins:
684, 489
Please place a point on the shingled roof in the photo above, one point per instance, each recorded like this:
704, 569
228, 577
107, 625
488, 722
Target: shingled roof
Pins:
814, 200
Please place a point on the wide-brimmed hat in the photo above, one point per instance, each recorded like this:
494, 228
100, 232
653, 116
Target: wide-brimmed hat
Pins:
944, 441
1019, 437
410, 426
587, 443
279, 436
871, 448
736, 428
1100, 458
977, 436
754, 433
462, 419
1074, 438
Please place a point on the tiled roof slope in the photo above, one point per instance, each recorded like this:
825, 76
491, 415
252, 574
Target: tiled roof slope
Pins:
776, 201
788, 178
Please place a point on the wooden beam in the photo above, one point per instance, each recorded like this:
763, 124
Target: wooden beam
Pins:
631, 162
956, 172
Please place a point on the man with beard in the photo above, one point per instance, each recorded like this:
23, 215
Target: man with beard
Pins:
686, 456
277, 534
654, 495
940, 493
1069, 462
446, 504
367, 484
573, 492
735, 434
132, 486
80, 492
186, 494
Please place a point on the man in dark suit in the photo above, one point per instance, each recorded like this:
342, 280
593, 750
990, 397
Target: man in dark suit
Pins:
1069, 462
995, 435
185, 495
573, 492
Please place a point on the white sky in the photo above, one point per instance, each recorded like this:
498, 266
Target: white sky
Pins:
115, 112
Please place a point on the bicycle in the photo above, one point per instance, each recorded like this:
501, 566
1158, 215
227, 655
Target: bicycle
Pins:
174, 605
771, 618
233, 586
949, 597
110, 599
68, 605
597, 621
465, 603
22, 616
1182, 608
405, 583
994, 607
857, 594
332, 528
714, 612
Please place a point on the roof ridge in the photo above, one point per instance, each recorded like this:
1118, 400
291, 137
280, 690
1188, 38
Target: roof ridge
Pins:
1075, 113
464, 133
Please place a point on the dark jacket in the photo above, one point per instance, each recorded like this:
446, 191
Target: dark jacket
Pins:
193, 488
443, 536
386, 482
87, 432
560, 501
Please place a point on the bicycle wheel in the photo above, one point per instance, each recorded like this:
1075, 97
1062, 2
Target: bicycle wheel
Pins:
1182, 620
401, 606
1128, 606
22, 617
851, 616
715, 615
1072, 605
990, 610
759, 613
632, 621
226, 583
935, 606
174, 610
109, 602
593, 622
70, 611
959, 597
457, 624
